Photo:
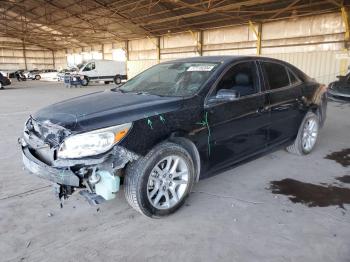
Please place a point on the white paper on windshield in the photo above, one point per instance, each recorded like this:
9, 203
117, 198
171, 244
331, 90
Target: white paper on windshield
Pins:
201, 68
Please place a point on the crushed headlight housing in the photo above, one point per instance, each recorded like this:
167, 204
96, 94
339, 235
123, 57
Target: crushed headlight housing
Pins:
92, 143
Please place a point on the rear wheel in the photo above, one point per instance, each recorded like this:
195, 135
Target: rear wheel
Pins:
117, 80
158, 184
1, 85
37, 77
307, 135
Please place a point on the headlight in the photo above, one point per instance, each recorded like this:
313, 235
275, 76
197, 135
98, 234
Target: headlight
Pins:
92, 143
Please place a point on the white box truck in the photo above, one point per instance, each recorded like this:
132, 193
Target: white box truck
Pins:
102, 70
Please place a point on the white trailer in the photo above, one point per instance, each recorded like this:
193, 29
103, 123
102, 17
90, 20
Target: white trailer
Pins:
102, 70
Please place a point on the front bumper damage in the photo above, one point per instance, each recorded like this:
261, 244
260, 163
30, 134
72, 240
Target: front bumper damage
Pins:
39, 146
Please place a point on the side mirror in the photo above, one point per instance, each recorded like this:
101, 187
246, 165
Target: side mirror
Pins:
225, 95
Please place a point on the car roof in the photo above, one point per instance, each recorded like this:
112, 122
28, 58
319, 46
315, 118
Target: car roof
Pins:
224, 59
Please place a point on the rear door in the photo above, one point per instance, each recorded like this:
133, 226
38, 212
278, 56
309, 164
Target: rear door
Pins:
238, 128
284, 105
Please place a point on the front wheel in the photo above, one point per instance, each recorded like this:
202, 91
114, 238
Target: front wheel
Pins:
307, 135
85, 81
158, 184
37, 77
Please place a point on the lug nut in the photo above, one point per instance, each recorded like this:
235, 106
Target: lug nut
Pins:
170, 184
164, 188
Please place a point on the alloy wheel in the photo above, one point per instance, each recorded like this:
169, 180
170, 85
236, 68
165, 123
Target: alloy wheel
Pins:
310, 134
168, 182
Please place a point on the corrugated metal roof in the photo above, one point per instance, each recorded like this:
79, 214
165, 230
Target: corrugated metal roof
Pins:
57, 24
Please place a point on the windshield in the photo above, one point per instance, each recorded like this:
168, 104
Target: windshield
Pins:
171, 79
80, 66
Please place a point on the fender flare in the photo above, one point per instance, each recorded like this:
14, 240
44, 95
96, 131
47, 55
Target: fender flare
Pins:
192, 150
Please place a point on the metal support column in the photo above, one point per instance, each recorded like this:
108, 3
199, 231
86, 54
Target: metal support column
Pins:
258, 34
158, 49
127, 50
24, 54
346, 20
53, 59
200, 42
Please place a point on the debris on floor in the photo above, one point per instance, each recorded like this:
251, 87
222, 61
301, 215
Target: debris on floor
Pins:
28, 243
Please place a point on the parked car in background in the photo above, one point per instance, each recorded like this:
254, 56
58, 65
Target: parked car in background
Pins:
102, 70
171, 125
13, 74
49, 74
340, 89
4, 80
67, 71
34, 74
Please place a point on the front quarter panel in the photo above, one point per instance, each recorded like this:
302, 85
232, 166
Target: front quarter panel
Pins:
151, 130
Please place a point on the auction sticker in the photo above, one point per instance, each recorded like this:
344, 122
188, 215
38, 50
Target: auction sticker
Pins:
201, 68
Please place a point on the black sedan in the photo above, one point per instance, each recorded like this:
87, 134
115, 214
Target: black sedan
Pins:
340, 90
172, 125
4, 81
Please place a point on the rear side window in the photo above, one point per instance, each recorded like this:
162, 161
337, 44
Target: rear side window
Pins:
293, 79
276, 75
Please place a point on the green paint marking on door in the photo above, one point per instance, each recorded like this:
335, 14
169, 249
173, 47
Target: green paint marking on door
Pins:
205, 123
162, 119
149, 123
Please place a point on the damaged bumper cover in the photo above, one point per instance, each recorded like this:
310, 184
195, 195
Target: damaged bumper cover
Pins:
39, 146
40, 169
61, 171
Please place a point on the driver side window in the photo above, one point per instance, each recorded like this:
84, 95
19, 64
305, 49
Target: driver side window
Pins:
241, 78
89, 67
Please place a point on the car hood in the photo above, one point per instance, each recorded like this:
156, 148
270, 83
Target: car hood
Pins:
105, 108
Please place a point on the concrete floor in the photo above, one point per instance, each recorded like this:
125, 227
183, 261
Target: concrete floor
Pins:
244, 221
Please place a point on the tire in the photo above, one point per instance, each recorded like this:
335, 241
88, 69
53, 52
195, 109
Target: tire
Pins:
117, 80
141, 180
37, 77
85, 81
1, 85
300, 145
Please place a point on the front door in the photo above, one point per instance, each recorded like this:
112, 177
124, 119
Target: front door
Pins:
238, 128
90, 70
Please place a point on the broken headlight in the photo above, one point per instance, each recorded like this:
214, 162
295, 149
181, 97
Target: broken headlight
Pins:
92, 143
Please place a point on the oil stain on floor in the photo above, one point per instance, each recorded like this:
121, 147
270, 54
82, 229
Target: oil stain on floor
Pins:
344, 179
342, 157
312, 195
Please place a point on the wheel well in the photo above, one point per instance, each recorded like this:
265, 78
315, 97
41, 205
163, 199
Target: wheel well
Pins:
191, 149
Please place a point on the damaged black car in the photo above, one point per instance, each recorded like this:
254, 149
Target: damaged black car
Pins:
171, 125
